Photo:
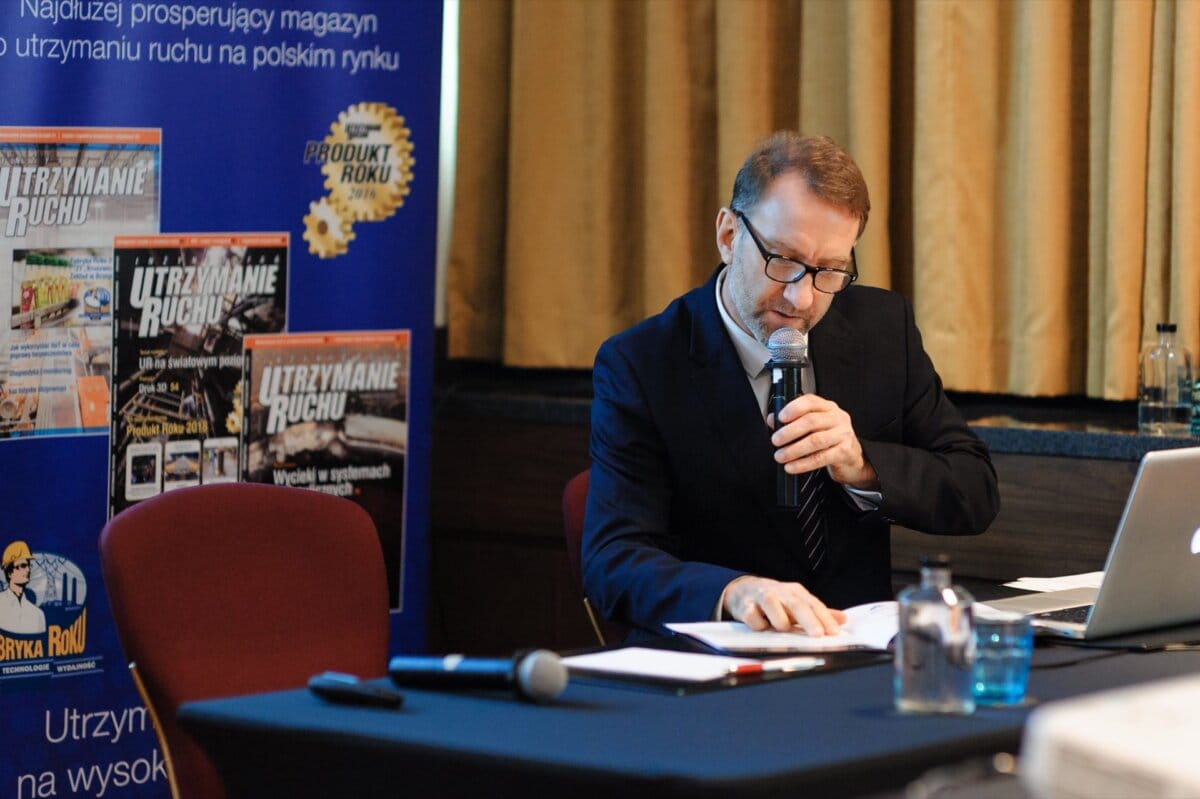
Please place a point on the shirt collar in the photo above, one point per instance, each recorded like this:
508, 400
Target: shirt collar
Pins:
751, 352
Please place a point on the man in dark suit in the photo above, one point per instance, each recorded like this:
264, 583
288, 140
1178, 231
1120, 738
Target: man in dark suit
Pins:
682, 522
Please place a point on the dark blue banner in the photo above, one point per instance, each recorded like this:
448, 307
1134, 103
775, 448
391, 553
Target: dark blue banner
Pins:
318, 120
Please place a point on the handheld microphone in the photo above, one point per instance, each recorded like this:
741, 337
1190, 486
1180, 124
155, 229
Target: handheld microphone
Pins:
537, 676
789, 356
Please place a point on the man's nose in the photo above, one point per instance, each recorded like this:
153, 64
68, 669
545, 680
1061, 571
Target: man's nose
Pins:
800, 293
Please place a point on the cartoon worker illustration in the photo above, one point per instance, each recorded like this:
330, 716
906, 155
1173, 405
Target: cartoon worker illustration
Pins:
18, 613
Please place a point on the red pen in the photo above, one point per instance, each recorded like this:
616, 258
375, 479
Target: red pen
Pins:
780, 664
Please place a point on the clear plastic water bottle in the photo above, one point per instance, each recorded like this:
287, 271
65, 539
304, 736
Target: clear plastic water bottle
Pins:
1165, 386
935, 647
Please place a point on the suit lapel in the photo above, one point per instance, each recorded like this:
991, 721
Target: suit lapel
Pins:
836, 358
722, 387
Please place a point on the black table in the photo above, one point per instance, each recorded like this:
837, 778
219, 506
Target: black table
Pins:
817, 735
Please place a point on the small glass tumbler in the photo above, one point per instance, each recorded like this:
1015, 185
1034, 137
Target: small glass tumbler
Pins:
1003, 649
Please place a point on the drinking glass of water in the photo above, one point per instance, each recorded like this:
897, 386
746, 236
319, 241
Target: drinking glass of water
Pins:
1003, 649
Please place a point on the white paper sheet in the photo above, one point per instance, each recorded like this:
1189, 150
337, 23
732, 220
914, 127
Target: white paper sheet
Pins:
665, 664
1084, 580
870, 626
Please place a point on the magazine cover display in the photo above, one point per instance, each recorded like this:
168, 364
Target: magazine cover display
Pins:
329, 412
184, 306
64, 193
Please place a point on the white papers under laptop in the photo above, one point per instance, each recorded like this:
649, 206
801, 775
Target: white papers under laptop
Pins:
1153, 568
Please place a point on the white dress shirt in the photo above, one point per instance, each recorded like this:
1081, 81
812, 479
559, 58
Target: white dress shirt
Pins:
19, 615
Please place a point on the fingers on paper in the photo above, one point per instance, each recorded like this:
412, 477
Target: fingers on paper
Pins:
764, 604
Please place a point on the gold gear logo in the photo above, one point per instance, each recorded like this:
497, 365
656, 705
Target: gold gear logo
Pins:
367, 162
328, 234
370, 191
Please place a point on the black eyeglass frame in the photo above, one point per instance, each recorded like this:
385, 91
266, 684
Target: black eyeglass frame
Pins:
803, 268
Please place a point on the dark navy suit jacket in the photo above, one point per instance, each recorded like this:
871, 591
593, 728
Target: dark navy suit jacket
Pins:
682, 494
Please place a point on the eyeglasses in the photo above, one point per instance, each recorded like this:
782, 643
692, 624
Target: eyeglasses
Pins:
786, 270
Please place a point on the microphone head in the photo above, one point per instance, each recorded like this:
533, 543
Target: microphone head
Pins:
541, 676
788, 345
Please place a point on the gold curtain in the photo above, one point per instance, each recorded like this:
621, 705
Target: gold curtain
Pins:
1034, 169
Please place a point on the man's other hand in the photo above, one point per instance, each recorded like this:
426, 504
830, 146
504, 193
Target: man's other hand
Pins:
765, 604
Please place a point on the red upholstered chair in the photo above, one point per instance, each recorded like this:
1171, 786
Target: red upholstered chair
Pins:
574, 504
239, 588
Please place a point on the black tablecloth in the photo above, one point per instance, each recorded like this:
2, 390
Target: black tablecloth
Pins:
831, 734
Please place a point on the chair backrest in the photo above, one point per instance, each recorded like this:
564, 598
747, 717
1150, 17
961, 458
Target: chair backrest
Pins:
574, 504
239, 588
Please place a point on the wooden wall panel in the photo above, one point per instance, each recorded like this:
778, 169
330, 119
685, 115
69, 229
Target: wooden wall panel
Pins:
504, 476
500, 579
1057, 516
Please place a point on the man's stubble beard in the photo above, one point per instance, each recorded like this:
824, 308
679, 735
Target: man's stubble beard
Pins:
748, 312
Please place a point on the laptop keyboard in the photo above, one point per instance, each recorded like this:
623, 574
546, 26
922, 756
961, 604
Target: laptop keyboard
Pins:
1077, 614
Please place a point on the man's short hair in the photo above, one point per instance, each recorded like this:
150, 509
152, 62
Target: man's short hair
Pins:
829, 171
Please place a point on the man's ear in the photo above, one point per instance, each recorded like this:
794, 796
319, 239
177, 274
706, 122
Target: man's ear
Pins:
727, 226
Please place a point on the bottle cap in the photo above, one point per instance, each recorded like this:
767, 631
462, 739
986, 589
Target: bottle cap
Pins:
1165, 327
939, 561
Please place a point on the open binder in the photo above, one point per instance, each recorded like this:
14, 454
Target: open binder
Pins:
869, 627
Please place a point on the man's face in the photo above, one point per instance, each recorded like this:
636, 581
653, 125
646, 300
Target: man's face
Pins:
20, 573
792, 222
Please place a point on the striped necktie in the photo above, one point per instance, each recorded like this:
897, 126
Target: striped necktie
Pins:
809, 518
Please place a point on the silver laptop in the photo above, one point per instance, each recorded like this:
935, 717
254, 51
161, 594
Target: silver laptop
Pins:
1152, 576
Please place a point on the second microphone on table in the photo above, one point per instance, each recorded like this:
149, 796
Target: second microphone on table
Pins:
537, 676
